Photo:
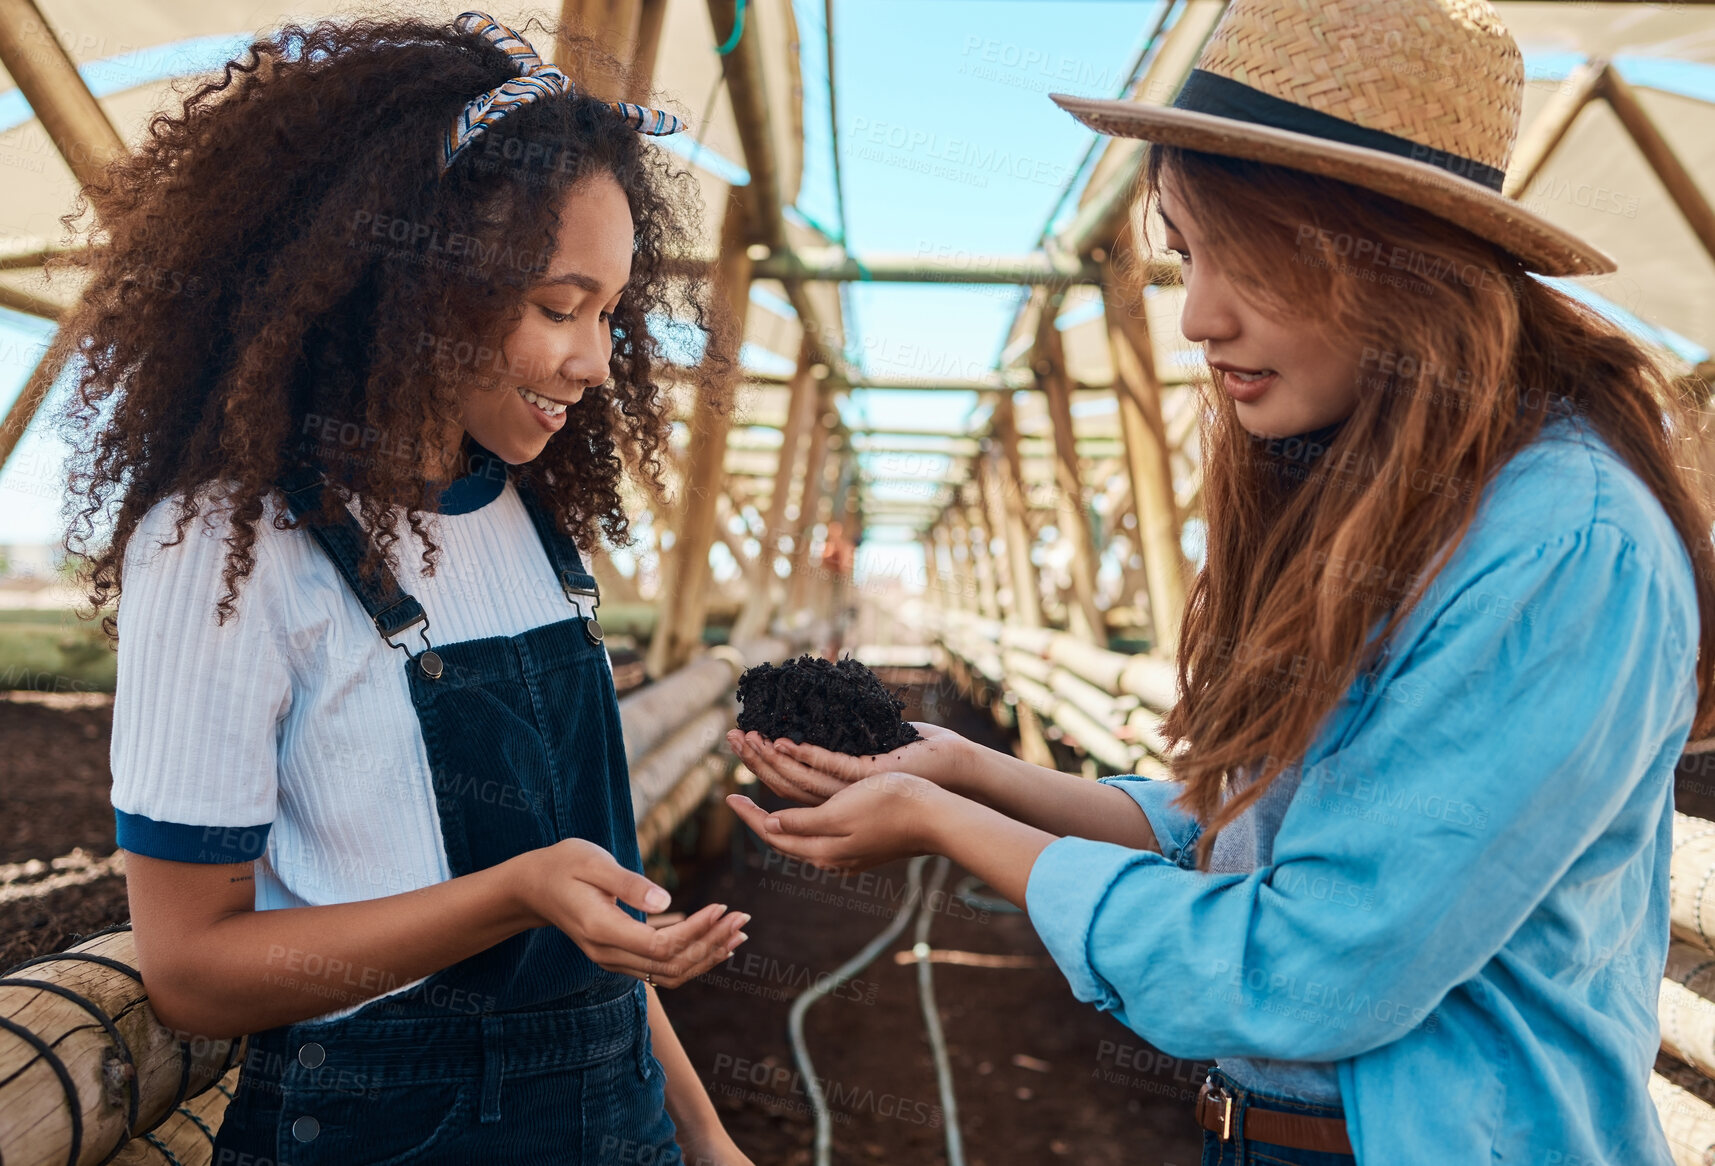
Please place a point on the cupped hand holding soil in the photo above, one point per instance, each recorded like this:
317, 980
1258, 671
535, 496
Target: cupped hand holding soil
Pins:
811, 774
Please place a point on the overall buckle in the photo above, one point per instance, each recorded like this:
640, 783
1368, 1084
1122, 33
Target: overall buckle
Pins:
428, 660
592, 626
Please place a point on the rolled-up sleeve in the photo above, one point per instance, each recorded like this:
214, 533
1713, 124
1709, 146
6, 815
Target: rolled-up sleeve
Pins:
1176, 830
1494, 751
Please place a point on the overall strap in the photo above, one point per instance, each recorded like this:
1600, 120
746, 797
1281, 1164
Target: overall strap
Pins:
344, 541
562, 551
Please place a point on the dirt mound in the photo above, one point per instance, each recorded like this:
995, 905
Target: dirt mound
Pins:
837, 704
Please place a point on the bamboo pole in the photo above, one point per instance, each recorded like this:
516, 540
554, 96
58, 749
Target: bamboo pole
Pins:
612, 25
990, 526
1039, 268
760, 601
1681, 186
931, 568
1004, 494
809, 503
1147, 461
1686, 1007
974, 538
1686, 1119
685, 574
1026, 592
50, 82
1050, 358
84, 1064
954, 594
1691, 881
652, 15
1544, 135
80, 131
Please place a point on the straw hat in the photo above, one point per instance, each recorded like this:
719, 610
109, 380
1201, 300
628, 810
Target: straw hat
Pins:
1417, 99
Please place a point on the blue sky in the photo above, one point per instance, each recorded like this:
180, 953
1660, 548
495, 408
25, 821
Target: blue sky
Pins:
949, 145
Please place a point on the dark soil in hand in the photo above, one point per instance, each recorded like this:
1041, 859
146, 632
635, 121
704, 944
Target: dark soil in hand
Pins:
839, 705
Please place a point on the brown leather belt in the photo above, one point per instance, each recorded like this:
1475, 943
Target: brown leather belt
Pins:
1215, 1111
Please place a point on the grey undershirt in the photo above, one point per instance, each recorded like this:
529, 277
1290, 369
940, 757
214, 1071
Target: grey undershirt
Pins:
1243, 846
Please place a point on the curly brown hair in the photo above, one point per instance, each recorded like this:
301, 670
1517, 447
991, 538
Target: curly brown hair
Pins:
238, 310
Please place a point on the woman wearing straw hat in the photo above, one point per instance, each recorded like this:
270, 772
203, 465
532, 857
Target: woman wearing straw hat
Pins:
1409, 887
377, 815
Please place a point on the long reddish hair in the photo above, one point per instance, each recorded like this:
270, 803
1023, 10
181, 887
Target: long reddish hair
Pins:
1464, 358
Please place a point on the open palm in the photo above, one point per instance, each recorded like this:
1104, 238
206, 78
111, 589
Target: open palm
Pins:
811, 774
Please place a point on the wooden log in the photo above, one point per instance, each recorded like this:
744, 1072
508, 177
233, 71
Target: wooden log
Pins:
651, 715
666, 765
674, 806
84, 1065
186, 1138
1691, 875
1687, 1120
1687, 1007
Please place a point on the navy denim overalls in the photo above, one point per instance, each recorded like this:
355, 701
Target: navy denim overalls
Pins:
526, 1052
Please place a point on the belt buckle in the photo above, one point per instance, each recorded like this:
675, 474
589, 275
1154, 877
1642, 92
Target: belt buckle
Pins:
1219, 1095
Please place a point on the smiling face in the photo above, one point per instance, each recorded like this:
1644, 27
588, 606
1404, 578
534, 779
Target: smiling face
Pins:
562, 346
1285, 376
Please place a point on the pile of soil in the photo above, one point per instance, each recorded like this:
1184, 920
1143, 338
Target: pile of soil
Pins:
837, 704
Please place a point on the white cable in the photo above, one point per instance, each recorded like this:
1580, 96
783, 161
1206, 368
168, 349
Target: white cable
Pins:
932, 1016
860, 961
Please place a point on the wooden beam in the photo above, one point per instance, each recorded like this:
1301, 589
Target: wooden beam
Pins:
78, 127
685, 574
1681, 186
1148, 458
759, 603
612, 25
810, 501
1544, 135
975, 540
1007, 492
651, 16
1050, 357
50, 82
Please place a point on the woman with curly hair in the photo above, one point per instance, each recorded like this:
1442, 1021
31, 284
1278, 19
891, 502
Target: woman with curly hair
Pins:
383, 291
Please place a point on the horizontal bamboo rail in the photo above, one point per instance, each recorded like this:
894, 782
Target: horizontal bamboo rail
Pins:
1104, 703
1686, 1119
86, 1066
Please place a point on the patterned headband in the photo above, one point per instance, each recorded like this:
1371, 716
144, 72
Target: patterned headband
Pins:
534, 80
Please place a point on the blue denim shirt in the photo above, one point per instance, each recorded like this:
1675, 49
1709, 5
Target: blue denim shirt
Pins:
1466, 905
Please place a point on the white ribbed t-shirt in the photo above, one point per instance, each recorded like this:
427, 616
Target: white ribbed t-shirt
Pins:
287, 735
